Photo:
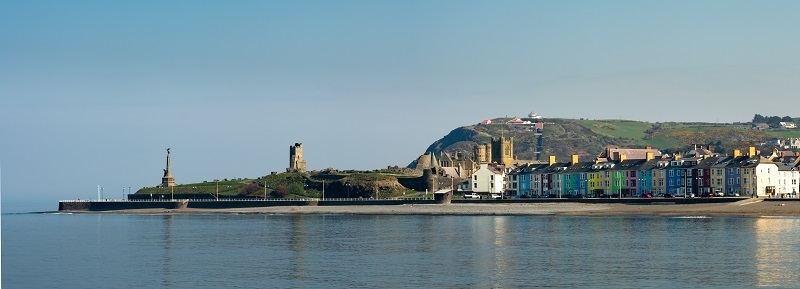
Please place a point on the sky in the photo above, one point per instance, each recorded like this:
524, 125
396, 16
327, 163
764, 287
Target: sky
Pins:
93, 92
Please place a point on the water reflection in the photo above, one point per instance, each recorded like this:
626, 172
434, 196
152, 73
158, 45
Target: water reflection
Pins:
777, 250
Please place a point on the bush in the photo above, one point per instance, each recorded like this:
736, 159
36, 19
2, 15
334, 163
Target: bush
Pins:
279, 192
249, 189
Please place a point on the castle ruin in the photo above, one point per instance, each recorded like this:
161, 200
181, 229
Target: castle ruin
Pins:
296, 161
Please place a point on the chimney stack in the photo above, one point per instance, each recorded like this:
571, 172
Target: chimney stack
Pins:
648, 156
574, 159
552, 160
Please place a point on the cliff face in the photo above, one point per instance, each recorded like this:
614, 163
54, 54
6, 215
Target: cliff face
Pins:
588, 138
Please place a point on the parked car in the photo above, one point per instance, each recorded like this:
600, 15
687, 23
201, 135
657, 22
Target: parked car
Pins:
495, 196
708, 195
471, 196
647, 196
669, 196
524, 196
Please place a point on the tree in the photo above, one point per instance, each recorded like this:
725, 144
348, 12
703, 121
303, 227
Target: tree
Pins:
787, 119
759, 118
249, 189
279, 192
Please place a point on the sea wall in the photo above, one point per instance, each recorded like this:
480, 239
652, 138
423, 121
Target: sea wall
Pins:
118, 205
228, 204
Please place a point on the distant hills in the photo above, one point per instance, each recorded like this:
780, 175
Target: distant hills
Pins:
563, 137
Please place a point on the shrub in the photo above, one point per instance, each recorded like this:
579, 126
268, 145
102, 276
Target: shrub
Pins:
249, 189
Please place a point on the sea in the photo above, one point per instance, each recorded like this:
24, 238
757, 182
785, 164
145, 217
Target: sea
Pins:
53, 250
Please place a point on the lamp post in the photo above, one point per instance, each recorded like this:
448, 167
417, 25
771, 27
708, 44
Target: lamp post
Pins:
265, 190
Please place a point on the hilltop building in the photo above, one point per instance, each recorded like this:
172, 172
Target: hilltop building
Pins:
168, 180
296, 161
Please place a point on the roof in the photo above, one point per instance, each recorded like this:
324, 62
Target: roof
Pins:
613, 154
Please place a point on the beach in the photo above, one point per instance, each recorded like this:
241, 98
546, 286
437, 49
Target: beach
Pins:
750, 207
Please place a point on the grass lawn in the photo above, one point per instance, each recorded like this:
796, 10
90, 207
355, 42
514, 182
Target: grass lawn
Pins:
617, 128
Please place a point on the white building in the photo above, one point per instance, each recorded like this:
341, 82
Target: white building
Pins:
788, 181
766, 178
487, 180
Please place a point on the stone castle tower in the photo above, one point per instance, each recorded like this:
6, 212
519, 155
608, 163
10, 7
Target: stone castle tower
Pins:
296, 161
503, 150
167, 180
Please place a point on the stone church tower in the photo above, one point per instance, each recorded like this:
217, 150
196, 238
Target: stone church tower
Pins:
503, 151
296, 161
167, 180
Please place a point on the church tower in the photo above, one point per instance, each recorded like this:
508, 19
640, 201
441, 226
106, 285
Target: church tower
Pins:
167, 180
503, 150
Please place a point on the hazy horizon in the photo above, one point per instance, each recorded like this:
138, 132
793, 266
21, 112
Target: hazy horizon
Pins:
93, 92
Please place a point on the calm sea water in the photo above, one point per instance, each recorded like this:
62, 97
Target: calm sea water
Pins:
346, 251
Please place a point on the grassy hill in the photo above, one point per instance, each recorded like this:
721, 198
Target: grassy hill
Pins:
299, 185
563, 137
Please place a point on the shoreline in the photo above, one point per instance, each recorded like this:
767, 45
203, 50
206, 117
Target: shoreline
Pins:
750, 208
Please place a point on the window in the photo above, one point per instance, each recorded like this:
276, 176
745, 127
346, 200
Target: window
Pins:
475, 177
700, 173
671, 183
730, 181
689, 182
671, 173
700, 182
661, 182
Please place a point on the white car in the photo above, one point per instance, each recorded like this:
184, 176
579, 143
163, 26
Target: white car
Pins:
496, 196
471, 196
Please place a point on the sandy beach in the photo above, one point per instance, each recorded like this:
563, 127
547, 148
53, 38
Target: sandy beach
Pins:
752, 207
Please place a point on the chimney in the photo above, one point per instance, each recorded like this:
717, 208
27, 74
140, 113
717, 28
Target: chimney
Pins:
737, 153
552, 160
574, 159
622, 157
648, 156
752, 151
676, 155
648, 147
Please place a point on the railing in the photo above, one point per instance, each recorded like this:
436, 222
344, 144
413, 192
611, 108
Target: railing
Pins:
248, 200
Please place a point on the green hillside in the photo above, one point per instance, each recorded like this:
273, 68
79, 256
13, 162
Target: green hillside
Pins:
563, 137
351, 184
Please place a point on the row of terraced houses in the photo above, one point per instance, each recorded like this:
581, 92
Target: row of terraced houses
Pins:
634, 172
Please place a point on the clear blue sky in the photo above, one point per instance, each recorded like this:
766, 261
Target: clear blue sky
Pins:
92, 92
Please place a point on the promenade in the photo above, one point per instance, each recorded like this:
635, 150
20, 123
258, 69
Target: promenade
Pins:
746, 207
